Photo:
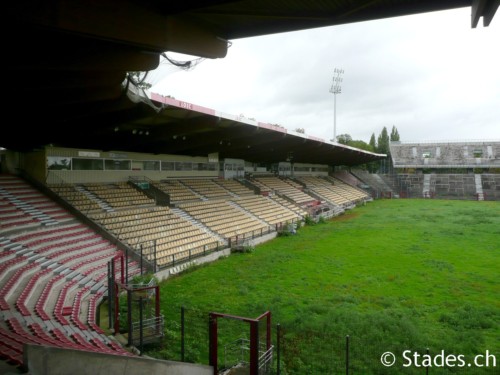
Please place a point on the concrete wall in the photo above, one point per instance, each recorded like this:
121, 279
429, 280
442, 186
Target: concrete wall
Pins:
45, 360
10, 161
212, 257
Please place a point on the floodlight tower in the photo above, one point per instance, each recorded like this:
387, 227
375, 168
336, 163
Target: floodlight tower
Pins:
336, 89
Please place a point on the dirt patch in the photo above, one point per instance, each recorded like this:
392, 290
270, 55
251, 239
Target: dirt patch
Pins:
344, 217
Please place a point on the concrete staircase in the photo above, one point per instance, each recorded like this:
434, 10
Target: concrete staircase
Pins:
426, 191
196, 223
479, 187
28, 208
105, 206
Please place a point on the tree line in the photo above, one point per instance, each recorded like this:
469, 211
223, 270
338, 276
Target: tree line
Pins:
379, 144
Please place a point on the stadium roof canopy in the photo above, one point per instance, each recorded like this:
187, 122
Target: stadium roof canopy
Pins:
66, 62
184, 128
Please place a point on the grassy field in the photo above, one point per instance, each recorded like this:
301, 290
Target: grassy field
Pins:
393, 275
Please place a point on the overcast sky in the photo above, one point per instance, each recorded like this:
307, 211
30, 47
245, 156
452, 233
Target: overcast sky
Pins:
430, 75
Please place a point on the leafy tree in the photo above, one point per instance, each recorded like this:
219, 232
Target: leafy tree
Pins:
344, 139
394, 134
373, 142
383, 142
373, 166
361, 145
300, 130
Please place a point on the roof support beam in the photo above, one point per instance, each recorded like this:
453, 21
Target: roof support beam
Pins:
186, 36
485, 9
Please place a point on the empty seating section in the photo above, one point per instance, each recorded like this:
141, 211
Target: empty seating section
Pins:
327, 191
287, 188
291, 206
225, 219
74, 195
51, 279
267, 210
119, 195
207, 188
348, 178
23, 205
333, 190
263, 188
376, 183
175, 237
13, 216
351, 192
197, 189
178, 192
234, 187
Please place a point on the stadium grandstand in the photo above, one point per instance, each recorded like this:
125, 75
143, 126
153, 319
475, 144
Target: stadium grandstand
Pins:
100, 184
449, 170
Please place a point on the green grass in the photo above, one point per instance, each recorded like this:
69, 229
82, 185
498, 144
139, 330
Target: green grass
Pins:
394, 275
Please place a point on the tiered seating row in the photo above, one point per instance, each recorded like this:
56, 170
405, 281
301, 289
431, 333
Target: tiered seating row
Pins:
267, 210
234, 187
206, 188
78, 199
21, 204
119, 194
173, 235
12, 281
287, 188
332, 195
333, 190
225, 219
291, 206
325, 190
351, 192
57, 293
177, 191
13, 216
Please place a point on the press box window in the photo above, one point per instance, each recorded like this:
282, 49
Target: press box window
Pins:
117, 165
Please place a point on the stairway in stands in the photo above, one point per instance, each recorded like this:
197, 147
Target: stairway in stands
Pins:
426, 191
192, 220
479, 187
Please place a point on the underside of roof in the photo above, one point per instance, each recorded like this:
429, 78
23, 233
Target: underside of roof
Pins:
66, 63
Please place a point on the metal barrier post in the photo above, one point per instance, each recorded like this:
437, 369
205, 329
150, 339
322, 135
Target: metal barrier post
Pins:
182, 334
